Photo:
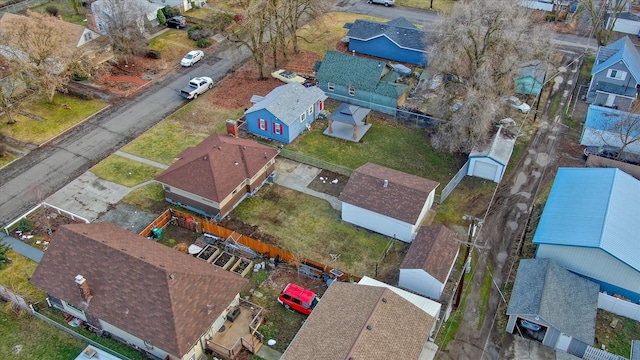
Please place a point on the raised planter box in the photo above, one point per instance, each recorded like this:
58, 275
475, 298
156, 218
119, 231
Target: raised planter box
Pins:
224, 260
209, 253
242, 266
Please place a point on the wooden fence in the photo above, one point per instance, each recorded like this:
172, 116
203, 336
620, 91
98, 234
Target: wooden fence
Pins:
200, 226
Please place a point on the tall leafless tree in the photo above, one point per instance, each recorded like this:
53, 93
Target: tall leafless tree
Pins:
253, 32
38, 46
124, 25
478, 49
601, 17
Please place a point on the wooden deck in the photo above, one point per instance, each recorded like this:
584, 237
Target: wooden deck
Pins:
242, 332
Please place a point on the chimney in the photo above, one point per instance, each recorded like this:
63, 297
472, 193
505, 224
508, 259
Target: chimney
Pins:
85, 293
386, 183
232, 128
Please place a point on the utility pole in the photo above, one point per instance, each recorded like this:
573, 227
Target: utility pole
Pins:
458, 295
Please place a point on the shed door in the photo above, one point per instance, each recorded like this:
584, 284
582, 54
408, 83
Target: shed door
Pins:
485, 170
563, 342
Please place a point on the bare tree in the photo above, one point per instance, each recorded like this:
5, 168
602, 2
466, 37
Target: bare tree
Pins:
9, 88
253, 32
123, 23
37, 45
601, 17
623, 128
478, 49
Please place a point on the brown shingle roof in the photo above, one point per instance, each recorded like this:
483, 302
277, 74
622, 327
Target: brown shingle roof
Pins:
216, 166
71, 33
149, 290
402, 199
434, 250
338, 328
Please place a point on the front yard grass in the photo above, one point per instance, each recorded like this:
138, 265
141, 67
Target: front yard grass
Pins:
322, 34
387, 144
445, 6
125, 171
311, 228
6, 158
616, 339
184, 128
65, 9
53, 119
172, 44
148, 198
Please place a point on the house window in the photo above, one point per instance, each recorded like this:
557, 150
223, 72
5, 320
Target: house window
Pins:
310, 111
352, 91
331, 86
262, 124
166, 188
277, 129
320, 105
617, 74
87, 36
303, 117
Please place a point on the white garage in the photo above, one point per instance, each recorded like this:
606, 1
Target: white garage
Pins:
490, 162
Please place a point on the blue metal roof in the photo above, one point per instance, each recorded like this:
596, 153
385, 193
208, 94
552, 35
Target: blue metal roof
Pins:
620, 50
595, 208
606, 119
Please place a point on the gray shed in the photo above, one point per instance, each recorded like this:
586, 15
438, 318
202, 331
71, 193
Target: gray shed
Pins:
490, 162
551, 305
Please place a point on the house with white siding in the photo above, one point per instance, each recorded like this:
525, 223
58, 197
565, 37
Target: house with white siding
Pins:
590, 226
387, 201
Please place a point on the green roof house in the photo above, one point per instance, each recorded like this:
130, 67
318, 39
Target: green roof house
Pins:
360, 81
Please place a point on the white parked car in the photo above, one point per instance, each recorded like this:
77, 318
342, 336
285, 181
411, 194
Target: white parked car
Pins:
515, 103
288, 76
384, 2
192, 57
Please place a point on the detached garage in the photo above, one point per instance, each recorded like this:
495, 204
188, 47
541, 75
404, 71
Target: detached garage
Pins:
491, 162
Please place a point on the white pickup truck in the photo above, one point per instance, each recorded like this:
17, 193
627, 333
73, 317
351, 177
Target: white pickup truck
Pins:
196, 87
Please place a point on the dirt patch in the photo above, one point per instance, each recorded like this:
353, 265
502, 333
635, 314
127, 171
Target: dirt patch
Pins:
329, 183
252, 231
124, 79
46, 222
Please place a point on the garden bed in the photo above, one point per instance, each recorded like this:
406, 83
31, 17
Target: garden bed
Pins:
224, 260
242, 267
209, 253
38, 227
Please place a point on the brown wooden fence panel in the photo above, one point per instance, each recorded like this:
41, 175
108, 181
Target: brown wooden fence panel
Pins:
159, 222
199, 225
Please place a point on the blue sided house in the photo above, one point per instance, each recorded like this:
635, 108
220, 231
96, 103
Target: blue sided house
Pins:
360, 81
590, 227
285, 112
606, 126
397, 40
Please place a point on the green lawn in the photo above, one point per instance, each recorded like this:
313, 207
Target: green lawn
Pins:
66, 10
172, 44
49, 120
186, 127
147, 198
124, 171
438, 5
6, 158
310, 227
388, 144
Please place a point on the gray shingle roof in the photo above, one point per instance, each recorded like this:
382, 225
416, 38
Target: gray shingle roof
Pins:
361, 73
562, 299
361, 322
399, 30
288, 102
349, 114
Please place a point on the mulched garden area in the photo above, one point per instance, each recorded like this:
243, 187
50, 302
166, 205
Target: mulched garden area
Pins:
45, 223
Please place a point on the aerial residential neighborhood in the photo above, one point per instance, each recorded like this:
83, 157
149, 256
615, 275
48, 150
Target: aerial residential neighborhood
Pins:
207, 180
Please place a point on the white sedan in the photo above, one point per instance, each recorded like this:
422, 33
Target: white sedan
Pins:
288, 76
515, 103
192, 57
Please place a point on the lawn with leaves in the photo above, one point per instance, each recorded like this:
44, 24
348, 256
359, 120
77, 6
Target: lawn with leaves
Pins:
65, 9
387, 144
172, 44
48, 119
184, 128
125, 171
310, 227
6, 158
433, 5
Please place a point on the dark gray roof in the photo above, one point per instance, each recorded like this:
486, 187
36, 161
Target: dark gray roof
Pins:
534, 69
361, 73
400, 31
349, 114
562, 299
288, 102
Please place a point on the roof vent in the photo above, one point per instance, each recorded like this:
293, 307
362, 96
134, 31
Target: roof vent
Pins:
384, 300
369, 327
171, 276
385, 183
235, 162
265, 154
205, 157
219, 147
